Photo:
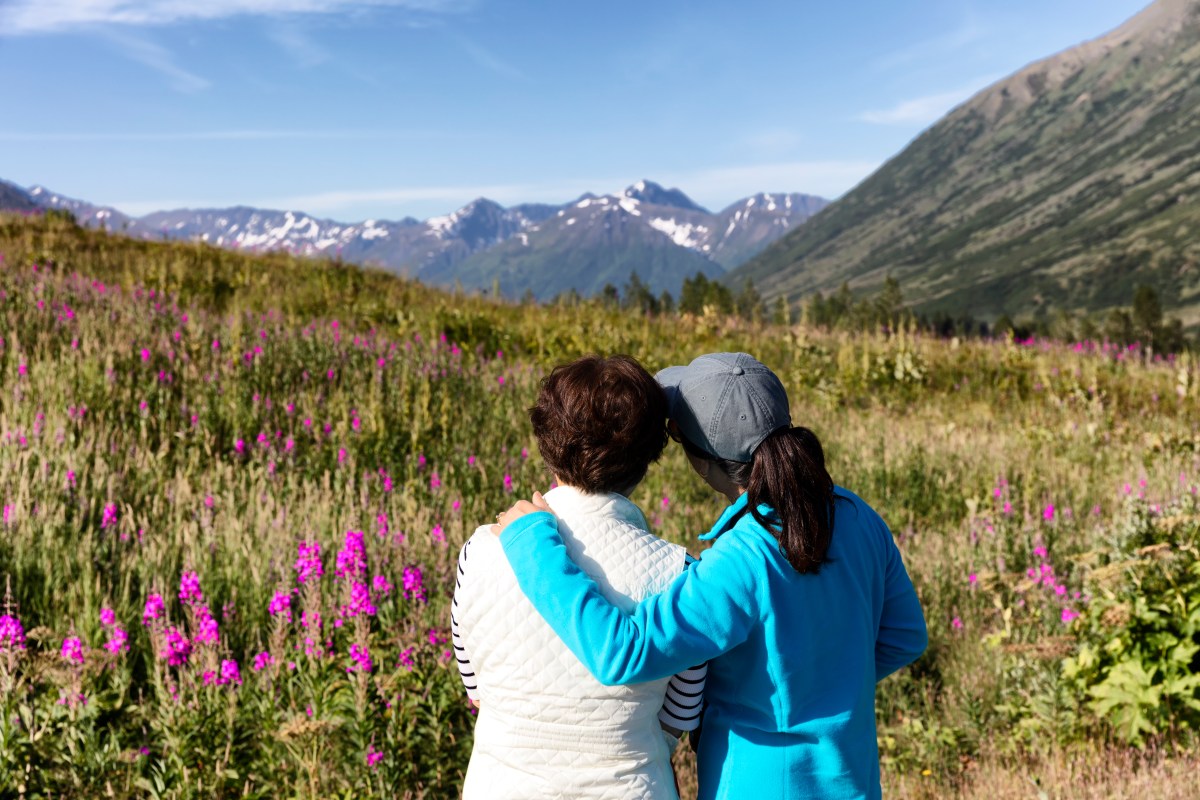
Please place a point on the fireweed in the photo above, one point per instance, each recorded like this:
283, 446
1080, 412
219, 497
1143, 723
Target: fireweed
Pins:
278, 655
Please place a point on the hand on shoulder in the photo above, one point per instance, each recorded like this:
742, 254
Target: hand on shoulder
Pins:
518, 510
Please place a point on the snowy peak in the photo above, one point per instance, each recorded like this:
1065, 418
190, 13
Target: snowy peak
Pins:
645, 227
653, 193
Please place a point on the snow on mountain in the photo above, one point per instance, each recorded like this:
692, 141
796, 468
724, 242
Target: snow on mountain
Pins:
641, 215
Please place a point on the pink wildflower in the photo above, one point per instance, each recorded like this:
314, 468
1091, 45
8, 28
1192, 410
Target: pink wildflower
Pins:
414, 584
12, 634
207, 630
189, 589
360, 602
361, 658
308, 563
118, 641
109, 517
178, 647
352, 558
154, 608
406, 658
281, 603
262, 661
230, 672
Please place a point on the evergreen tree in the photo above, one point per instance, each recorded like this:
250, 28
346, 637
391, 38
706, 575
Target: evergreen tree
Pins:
638, 296
1147, 315
890, 303
610, 296
748, 302
783, 311
1118, 327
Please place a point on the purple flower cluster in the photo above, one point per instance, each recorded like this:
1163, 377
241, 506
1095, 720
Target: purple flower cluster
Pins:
178, 648
414, 584
12, 634
189, 589
360, 601
154, 609
360, 657
109, 517
308, 562
281, 603
72, 650
352, 558
207, 631
118, 638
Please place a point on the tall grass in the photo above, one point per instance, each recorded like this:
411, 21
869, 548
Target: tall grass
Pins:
173, 414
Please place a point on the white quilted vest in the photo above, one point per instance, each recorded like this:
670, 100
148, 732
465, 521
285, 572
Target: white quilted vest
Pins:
546, 727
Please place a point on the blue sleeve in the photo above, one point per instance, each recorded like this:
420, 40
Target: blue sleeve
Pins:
709, 609
902, 637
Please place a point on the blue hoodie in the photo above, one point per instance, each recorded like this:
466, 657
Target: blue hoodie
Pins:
793, 659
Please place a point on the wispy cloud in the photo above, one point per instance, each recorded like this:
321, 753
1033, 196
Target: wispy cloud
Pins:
452, 196
716, 187
720, 186
489, 60
215, 136
968, 33
158, 58
924, 110
50, 16
299, 45
772, 142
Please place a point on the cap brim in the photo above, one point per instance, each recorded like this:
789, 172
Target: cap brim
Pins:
669, 379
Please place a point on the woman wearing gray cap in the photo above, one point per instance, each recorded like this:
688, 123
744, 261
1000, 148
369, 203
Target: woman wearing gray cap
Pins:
801, 604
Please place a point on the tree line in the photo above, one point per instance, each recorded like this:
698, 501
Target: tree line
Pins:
1142, 323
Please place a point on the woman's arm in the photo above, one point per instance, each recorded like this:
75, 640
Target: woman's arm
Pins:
708, 610
902, 637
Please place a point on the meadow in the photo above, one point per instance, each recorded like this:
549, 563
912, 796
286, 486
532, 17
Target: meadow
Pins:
234, 487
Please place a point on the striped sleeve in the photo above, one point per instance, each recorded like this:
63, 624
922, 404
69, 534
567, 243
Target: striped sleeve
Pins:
684, 700
466, 670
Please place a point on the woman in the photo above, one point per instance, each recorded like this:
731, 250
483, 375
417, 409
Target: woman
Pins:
802, 602
546, 727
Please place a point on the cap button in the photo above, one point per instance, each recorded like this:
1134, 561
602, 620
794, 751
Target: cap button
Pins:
737, 371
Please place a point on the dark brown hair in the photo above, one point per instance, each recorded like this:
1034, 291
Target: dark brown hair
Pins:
600, 422
787, 472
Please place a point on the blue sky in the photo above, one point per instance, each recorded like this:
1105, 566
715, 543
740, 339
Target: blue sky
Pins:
353, 109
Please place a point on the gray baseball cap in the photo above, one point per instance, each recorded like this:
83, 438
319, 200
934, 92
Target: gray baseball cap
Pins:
725, 403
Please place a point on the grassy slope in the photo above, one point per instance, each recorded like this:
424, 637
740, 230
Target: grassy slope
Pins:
921, 429
1060, 187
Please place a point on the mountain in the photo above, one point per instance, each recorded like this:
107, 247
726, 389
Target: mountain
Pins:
1061, 186
85, 213
654, 194
660, 233
14, 198
594, 242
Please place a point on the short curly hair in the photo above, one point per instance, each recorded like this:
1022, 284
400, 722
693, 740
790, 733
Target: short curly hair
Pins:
600, 423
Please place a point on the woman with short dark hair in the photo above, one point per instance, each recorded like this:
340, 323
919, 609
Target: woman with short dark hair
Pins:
546, 727
800, 606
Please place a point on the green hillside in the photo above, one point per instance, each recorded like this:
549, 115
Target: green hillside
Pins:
1060, 187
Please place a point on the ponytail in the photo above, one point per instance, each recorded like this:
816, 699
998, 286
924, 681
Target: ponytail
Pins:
788, 474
